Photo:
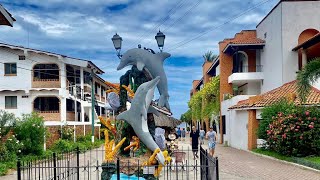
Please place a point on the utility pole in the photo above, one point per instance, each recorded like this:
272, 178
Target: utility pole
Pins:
92, 107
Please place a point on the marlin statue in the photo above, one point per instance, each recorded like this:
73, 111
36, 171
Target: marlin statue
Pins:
153, 63
136, 116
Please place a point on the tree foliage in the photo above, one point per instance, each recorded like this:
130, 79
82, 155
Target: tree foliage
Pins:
209, 56
307, 76
187, 116
206, 101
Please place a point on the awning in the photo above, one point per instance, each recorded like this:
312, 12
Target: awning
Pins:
165, 121
232, 48
310, 42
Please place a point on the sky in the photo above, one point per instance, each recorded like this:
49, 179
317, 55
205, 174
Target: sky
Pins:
84, 28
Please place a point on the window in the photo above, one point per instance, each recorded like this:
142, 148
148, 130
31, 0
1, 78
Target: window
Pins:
11, 102
22, 57
223, 124
46, 71
10, 68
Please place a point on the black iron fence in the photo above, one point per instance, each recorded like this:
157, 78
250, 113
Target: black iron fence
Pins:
91, 165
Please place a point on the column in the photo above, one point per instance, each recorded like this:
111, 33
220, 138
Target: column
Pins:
81, 82
304, 57
82, 93
63, 92
253, 124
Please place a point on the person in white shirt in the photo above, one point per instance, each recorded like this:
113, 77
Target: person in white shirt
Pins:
212, 138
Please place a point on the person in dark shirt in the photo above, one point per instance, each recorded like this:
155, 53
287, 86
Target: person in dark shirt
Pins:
194, 141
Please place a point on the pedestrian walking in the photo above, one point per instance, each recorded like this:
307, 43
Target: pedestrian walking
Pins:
212, 138
179, 133
183, 134
194, 141
202, 136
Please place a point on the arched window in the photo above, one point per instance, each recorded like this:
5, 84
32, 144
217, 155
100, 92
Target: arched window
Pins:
44, 104
46, 72
240, 62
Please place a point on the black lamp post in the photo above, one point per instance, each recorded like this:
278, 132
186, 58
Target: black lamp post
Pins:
117, 42
160, 40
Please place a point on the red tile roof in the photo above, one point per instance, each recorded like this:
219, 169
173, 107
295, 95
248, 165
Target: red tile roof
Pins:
249, 41
288, 91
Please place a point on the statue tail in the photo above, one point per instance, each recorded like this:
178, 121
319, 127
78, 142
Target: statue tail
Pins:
164, 101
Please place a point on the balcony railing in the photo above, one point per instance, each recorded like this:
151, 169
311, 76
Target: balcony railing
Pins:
245, 69
46, 83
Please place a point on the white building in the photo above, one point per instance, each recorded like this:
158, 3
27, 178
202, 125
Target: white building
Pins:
257, 61
56, 86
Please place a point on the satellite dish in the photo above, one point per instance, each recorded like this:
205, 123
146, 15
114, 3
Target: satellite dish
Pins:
113, 100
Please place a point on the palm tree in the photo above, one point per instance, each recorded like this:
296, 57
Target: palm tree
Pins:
209, 56
307, 76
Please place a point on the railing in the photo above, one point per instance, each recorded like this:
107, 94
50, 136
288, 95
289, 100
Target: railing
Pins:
244, 69
91, 165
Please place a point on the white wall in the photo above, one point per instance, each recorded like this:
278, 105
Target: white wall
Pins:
231, 117
238, 129
24, 105
296, 17
271, 54
218, 70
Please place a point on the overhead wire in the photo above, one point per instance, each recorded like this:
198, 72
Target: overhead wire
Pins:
184, 42
160, 22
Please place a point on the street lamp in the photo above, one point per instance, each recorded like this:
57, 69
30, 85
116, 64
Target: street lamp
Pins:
160, 40
117, 40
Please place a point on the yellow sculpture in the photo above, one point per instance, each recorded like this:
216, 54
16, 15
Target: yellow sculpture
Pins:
153, 161
160, 166
116, 89
111, 152
108, 124
135, 144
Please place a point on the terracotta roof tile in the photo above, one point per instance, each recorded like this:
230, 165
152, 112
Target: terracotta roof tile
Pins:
288, 91
248, 41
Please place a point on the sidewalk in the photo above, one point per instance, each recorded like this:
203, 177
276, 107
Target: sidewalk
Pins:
238, 164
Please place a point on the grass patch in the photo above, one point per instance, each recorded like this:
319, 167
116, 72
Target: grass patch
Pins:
310, 161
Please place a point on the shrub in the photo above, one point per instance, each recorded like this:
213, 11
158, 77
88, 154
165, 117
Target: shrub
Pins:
268, 112
295, 134
30, 130
67, 132
62, 146
7, 122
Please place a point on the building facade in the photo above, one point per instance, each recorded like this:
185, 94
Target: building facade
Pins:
55, 86
258, 61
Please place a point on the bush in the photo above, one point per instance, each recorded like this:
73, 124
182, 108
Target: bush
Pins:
62, 146
268, 112
67, 132
295, 134
7, 122
30, 130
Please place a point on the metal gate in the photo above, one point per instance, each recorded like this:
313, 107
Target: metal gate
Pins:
90, 166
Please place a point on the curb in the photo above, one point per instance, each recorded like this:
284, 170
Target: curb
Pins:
286, 162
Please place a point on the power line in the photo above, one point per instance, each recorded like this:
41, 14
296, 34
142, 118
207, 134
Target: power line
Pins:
184, 42
180, 18
161, 21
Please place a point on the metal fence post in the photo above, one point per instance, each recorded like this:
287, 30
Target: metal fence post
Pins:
118, 169
78, 164
54, 166
19, 169
217, 168
207, 164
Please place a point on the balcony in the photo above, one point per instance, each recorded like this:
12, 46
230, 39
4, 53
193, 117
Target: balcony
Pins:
46, 83
50, 115
245, 74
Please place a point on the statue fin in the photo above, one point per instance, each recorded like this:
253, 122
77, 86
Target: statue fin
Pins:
140, 65
163, 55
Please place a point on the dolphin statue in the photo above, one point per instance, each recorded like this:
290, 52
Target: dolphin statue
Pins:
153, 63
136, 116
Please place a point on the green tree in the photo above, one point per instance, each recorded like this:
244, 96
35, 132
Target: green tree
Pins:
7, 121
307, 76
209, 56
186, 117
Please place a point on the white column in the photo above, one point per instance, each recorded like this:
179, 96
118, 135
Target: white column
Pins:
82, 93
81, 82
75, 109
304, 57
63, 92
